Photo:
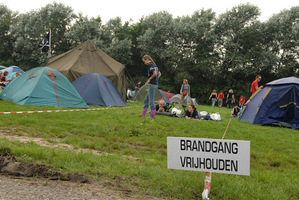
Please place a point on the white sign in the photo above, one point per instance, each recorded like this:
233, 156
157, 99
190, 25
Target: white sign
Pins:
209, 155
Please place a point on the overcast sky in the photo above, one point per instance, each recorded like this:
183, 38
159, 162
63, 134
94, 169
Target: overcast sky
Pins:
135, 9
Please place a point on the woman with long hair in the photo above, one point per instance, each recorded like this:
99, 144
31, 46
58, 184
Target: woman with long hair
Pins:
185, 93
153, 80
213, 96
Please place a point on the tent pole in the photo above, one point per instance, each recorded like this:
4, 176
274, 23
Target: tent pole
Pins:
49, 53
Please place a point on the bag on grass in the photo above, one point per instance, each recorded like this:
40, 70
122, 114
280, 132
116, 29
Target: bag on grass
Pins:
203, 113
215, 116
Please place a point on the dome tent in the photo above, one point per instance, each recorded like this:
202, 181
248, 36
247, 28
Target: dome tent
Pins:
159, 95
97, 90
11, 69
277, 103
43, 86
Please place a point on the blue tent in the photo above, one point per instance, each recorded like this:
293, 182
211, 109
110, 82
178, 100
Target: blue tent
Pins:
12, 69
43, 86
11, 76
97, 90
277, 103
164, 96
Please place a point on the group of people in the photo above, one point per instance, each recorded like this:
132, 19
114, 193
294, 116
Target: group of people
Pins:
3, 78
191, 113
153, 81
132, 93
230, 99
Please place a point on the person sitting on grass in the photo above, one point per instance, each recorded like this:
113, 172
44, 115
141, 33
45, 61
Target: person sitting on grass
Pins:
236, 111
161, 107
191, 113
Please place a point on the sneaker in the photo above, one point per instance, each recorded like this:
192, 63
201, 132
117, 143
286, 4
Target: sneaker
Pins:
205, 194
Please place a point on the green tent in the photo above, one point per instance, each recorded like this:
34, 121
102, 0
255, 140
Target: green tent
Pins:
43, 86
140, 96
86, 59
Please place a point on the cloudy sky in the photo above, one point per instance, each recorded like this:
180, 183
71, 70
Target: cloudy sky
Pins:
135, 9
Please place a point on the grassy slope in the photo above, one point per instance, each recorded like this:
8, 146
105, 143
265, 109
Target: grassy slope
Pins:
134, 154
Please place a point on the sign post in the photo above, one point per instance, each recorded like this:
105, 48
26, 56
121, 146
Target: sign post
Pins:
209, 155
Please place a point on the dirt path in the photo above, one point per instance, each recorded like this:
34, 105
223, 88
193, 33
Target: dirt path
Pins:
23, 188
19, 180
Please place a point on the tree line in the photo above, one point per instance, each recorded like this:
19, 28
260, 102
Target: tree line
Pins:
213, 52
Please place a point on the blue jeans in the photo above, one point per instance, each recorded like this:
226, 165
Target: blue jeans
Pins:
150, 97
213, 101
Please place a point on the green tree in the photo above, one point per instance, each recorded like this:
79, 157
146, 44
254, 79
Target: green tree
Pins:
198, 60
84, 29
58, 18
155, 39
31, 27
7, 18
239, 47
115, 40
281, 39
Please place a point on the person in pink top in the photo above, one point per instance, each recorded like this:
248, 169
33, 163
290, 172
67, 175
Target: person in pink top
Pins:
255, 85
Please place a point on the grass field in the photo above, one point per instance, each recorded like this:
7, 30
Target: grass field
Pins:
132, 151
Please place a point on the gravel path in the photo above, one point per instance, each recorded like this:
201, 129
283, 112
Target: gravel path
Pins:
22, 188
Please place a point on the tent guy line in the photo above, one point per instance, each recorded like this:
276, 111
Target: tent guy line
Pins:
52, 111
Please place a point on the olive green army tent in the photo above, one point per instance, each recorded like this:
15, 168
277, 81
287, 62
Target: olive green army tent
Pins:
86, 59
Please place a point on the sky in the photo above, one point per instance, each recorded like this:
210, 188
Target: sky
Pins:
136, 9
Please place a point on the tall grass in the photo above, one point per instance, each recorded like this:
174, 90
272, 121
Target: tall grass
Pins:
132, 151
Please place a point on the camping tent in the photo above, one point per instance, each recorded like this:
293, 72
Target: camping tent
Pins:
43, 86
97, 90
86, 59
168, 95
277, 103
11, 75
159, 95
164, 96
177, 99
12, 69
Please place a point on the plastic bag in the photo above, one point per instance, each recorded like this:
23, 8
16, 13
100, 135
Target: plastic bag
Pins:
215, 116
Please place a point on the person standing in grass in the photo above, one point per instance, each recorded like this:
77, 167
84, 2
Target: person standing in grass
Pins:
153, 79
185, 93
255, 84
241, 101
137, 86
220, 99
230, 99
213, 96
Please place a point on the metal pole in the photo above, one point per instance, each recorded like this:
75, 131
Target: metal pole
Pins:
49, 55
